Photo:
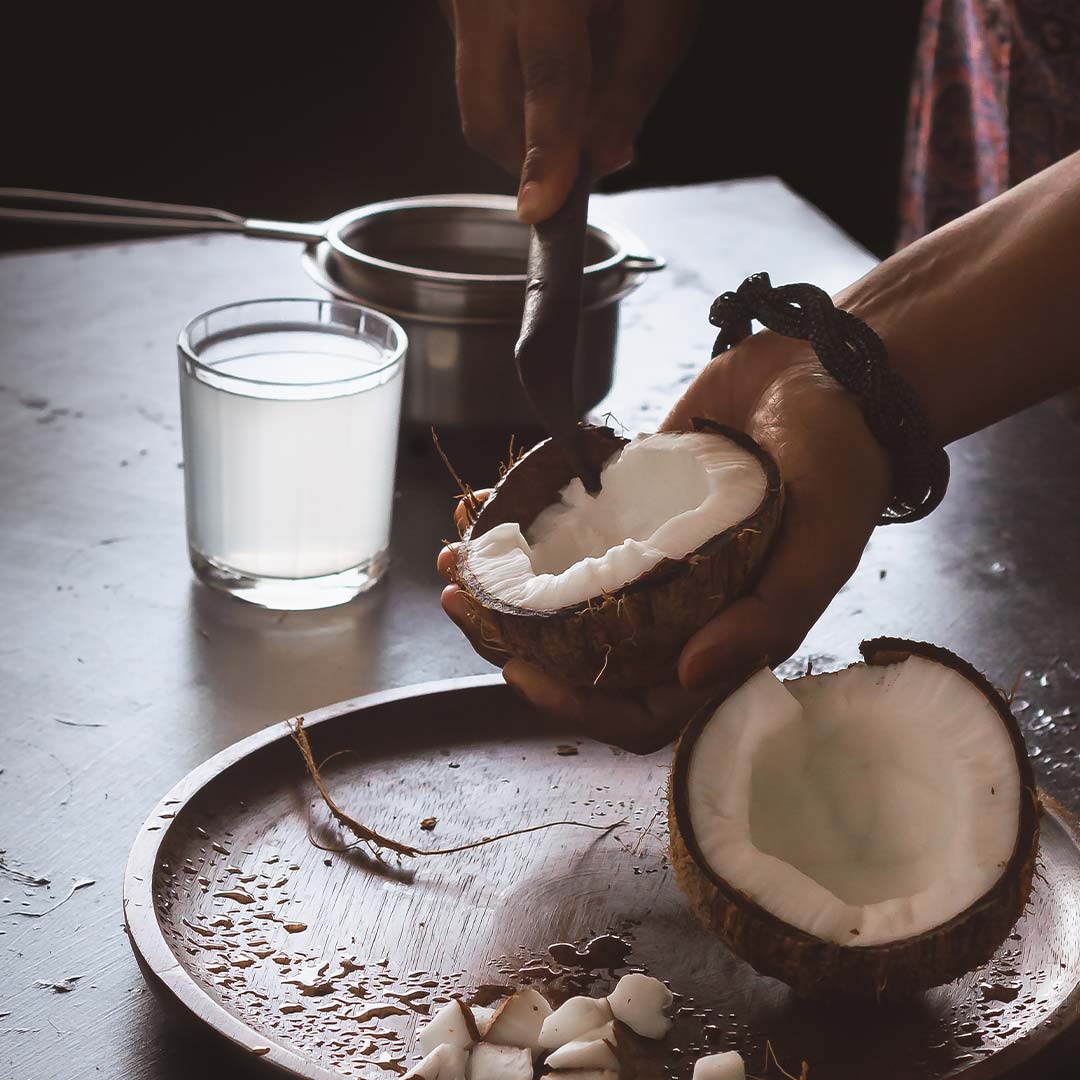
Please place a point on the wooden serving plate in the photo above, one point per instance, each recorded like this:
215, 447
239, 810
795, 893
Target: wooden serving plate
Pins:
321, 964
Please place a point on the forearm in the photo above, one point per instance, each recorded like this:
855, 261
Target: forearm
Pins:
983, 315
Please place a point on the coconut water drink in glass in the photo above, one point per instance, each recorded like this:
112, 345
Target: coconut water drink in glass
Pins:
290, 414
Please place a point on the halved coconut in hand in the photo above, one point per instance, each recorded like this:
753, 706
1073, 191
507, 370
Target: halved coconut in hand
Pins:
607, 589
870, 830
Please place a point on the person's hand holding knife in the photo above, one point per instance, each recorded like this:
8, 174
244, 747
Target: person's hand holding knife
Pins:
541, 83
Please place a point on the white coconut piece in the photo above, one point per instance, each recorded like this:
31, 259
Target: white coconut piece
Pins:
697, 485
452, 1025
572, 1020
865, 806
483, 1018
605, 1033
445, 1062
584, 1054
490, 1062
726, 1066
582, 1074
639, 1002
518, 1020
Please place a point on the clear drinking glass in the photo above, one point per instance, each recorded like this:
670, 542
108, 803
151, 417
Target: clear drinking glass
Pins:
290, 413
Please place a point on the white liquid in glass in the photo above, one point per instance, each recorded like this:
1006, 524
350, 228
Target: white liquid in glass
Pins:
296, 482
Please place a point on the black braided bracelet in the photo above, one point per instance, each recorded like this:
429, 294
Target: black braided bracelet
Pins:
855, 357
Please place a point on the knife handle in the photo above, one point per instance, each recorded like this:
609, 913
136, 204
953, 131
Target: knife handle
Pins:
546, 349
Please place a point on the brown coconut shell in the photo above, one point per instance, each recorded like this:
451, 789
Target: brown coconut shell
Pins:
812, 966
633, 636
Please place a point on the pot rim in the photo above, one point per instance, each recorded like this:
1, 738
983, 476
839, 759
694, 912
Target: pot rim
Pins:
316, 263
625, 254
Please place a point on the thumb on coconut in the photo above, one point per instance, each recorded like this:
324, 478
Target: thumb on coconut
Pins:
461, 511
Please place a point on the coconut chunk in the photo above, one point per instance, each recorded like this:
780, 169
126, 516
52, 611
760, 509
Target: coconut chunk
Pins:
483, 1018
726, 1066
518, 1020
604, 1033
490, 1062
639, 1002
445, 1062
584, 1054
453, 1025
572, 1020
663, 496
582, 1074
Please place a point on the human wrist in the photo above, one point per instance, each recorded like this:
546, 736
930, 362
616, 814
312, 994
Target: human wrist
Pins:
896, 301
856, 357
835, 419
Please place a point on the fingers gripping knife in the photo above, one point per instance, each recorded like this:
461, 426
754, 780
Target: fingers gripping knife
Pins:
549, 326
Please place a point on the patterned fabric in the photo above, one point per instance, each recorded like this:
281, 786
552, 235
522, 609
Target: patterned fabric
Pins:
995, 98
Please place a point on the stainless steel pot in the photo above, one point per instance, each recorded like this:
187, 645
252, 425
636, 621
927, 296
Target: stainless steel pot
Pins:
449, 268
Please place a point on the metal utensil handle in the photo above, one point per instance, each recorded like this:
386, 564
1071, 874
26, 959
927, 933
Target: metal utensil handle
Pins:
546, 349
105, 211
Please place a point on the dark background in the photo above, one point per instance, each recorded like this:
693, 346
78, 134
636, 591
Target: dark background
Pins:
305, 114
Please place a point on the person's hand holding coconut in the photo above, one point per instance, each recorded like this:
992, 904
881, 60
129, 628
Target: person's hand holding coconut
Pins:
836, 484
956, 312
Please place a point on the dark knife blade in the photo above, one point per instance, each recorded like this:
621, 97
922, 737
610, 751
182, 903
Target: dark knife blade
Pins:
546, 349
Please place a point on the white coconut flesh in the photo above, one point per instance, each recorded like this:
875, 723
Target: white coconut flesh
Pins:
662, 497
864, 806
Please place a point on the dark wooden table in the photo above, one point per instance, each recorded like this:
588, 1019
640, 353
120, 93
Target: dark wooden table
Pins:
118, 673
